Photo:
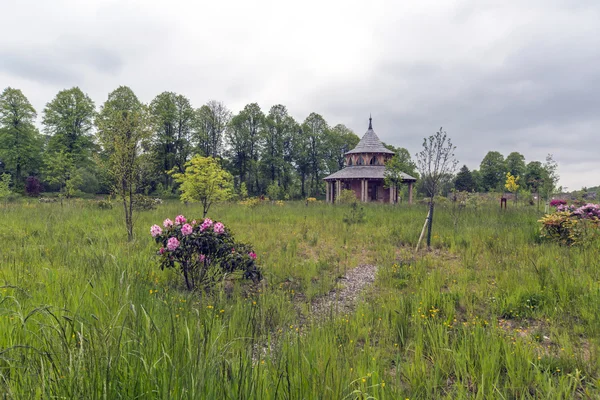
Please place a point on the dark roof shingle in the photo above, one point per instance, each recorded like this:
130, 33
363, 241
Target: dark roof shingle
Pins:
364, 172
370, 143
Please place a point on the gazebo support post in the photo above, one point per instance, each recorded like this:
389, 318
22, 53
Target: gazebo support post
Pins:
327, 192
410, 192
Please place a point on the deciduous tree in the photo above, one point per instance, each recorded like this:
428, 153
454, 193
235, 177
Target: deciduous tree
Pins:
276, 142
210, 123
172, 120
396, 167
492, 170
435, 162
20, 145
515, 164
314, 131
243, 138
122, 128
204, 181
68, 120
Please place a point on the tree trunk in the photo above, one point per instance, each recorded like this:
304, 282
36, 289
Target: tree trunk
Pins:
430, 224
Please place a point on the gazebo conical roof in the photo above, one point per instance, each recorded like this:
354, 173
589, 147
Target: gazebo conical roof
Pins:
370, 143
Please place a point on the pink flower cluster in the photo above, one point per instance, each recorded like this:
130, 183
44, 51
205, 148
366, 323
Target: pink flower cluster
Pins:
206, 224
565, 207
172, 244
155, 230
219, 228
186, 230
588, 211
252, 255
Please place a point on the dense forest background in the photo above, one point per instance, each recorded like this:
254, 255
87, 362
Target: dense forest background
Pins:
267, 151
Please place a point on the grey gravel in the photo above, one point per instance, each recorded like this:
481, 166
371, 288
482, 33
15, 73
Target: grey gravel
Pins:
343, 299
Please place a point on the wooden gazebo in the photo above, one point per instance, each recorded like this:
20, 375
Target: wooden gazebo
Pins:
363, 173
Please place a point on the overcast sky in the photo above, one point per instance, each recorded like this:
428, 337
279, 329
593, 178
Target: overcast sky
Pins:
497, 75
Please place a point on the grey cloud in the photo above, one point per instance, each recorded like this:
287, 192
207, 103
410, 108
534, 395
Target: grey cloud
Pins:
65, 61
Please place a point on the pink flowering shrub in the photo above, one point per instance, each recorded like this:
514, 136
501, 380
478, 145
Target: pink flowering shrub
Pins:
588, 211
203, 252
557, 202
571, 225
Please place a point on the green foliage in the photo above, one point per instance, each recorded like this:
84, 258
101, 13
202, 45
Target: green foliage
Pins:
464, 181
104, 204
5, 191
68, 119
243, 192
210, 123
274, 191
122, 130
275, 144
397, 166
337, 142
493, 170
244, 137
172, 120
515, 164
20, 145
145, 203
309, 152
204, 181
355, 214
347, 196
535, 176
60, 169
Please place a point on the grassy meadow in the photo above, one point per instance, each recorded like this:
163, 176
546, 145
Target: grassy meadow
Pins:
490, 312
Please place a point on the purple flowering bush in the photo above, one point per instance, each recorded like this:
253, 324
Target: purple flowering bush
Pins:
557, 202
588, 211
203, 251
571, 225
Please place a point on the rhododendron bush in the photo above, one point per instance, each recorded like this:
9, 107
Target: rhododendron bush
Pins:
203, 250
572, 225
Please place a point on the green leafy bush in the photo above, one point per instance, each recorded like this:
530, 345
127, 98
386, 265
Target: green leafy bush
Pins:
145, 203
347, 196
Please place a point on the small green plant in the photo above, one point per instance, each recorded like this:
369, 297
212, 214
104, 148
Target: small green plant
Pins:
4, 186
274, 191
355, 214
105, 204
347, 197
145, 203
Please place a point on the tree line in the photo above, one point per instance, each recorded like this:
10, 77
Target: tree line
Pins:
535, 176
266, 151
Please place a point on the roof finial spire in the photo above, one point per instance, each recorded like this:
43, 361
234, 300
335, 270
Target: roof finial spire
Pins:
370, 123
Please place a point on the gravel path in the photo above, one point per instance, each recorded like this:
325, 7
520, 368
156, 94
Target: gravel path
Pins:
343, 300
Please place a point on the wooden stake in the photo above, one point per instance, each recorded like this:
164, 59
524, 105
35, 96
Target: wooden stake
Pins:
423, 231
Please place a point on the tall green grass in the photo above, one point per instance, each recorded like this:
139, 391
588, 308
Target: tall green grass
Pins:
490, 312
